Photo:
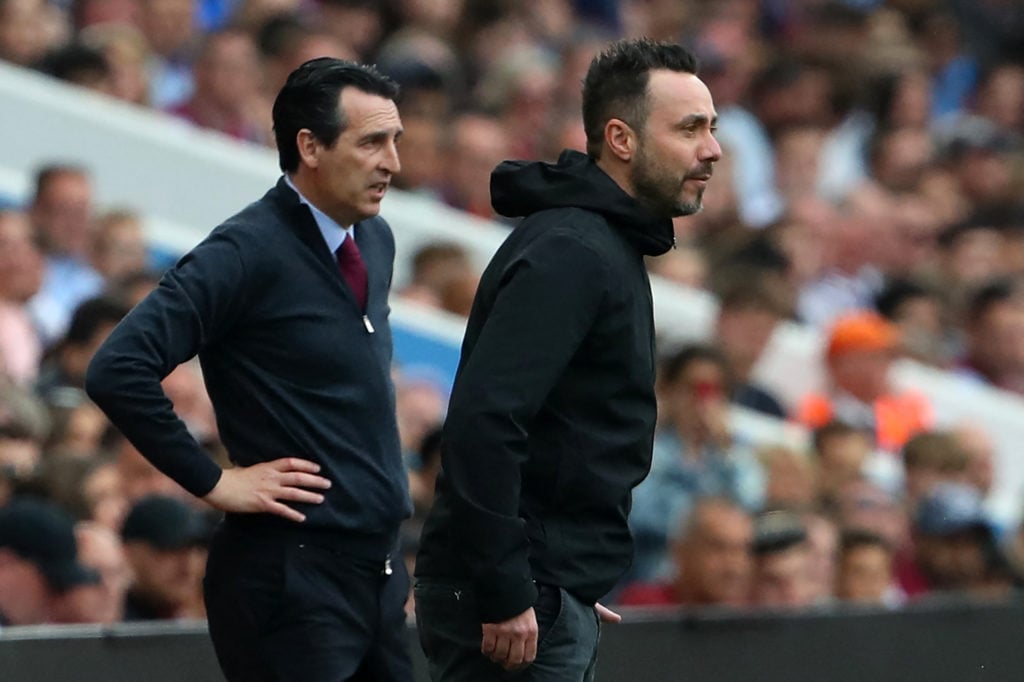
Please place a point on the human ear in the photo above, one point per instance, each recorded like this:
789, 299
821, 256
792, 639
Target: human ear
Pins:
620, 139
308, 147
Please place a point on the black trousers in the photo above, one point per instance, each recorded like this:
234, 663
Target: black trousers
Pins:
305, 606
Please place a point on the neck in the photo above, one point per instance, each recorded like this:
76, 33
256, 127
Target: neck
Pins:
303, 181
617, 171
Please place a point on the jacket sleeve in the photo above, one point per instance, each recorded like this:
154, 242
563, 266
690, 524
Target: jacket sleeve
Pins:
546, 303
194, 304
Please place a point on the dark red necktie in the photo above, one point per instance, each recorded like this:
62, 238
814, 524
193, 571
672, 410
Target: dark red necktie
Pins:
353, 269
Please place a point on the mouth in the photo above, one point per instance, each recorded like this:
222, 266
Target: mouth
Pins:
378, 189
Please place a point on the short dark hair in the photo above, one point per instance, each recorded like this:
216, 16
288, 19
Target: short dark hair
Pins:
309, 99
896, 293
617, 80
855, 538
76, 63
833, 429
988, 296
91, 315
673, 367
47, 173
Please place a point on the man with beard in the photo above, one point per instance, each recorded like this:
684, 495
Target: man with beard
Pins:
552, 414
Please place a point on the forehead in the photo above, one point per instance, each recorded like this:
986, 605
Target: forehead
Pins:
674, 95
364, 111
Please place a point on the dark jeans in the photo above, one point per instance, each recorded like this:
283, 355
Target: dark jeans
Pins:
450, 634
283, 607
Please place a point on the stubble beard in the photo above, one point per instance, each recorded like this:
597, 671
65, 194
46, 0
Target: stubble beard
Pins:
661, 191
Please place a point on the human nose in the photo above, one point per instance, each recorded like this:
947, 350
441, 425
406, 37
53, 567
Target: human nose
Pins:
711, 150
390, 161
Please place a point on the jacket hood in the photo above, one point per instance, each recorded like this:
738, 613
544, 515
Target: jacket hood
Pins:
520, 188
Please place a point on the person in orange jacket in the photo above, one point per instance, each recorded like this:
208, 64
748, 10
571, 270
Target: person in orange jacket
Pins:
861, 348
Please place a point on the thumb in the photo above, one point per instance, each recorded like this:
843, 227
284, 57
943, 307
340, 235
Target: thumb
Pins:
606, 614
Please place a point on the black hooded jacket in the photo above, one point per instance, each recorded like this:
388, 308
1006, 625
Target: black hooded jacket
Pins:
552, 414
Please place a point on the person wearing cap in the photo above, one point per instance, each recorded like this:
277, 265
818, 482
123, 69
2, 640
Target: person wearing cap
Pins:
162, 538
38, 562
781, 578
860, 350
955, 546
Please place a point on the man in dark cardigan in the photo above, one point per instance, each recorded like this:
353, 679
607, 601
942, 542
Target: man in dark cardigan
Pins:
286, 306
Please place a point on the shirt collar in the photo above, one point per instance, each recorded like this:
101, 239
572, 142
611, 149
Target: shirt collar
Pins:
333, 233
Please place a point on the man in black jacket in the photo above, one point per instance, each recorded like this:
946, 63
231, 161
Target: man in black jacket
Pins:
286, 305
552, 414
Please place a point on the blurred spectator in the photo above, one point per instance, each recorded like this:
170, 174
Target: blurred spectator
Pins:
842, 453
849, 278
791, 478
520, 90
26, 30
420, 402
118, 246
226, 95
916, 310
127, 54
859, 354
930, 459
249, 14
865, 570
90, 489
133, 287
287, 40
981, 454
20, 453
459, 292
65, 367
798, 151
748, 312
954, 546
21, 275
78, 427
101, 549
88, 13
428, 71
863, 505
728, 62
38, 562
711, 560
695, 454
972, 256
684, 265
80, 65
420, 147
140, 479
994, 339
161, 536
60, 212
476, 144
170, 28
423, 473
359, 24
822, 556
781, 562
187, 393
433, 267
980, 156
1000, 98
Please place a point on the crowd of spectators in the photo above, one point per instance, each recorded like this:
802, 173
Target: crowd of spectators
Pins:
871, 187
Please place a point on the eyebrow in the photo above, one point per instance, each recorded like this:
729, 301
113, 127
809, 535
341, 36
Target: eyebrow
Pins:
698, 120
381, 135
